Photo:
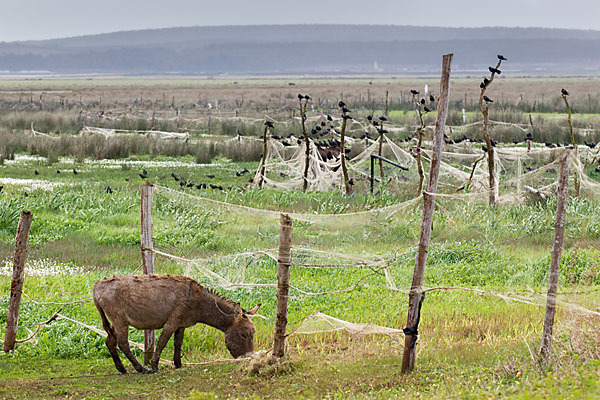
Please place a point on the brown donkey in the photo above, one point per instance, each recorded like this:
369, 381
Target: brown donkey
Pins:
172, 303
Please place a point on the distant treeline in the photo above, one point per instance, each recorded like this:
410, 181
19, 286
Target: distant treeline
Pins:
307, 49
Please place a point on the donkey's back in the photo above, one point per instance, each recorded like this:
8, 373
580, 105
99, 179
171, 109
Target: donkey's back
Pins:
144, 302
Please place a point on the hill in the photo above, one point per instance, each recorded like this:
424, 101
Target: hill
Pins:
311, 49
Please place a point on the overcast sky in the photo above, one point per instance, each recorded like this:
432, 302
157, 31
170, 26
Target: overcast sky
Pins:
44, 19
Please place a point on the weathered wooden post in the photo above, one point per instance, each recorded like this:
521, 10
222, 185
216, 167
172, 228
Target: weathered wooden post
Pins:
16, 286
283, 283
559, 232
147, 245
416, 296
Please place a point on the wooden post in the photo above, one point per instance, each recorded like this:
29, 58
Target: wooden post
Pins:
16, 286
147, 244
559, 231
416, 296
283, 283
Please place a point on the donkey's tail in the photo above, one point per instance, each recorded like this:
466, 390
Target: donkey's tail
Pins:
105, 322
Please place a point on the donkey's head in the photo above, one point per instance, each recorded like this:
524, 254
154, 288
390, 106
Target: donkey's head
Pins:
239, 338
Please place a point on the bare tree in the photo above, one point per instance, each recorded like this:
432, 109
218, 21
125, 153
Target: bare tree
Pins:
483, 105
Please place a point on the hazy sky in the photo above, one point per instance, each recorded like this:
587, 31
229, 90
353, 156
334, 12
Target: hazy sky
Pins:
43, 19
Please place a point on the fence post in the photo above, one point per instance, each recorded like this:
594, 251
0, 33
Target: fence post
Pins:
147, 245
283, 283
416, 296
16, 286
559, 231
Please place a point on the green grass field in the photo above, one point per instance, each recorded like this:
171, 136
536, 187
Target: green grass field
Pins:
470, 346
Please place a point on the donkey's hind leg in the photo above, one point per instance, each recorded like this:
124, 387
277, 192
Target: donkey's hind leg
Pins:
111, 343
177, 342
123, 342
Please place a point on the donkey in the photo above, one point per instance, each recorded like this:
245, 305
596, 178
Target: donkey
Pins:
172, 303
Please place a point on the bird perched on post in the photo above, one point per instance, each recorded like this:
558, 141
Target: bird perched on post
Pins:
382, 118
431, 98
415, 92
564, 92
487, 99
269, 124
494, 70
426, 109
300, 96
341, 104
502, 58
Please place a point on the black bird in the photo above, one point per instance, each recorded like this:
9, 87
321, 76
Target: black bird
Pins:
1, 187
564, 92
75, 171
422, 101
318, 128
501, 57
528, 137
36, 172
201, 186
494, 70
426, 109
307, 97
346, 110
313, 131
108, 190
142, 176
486, 81
175, 176
126, 179
269, 124
484, 148
216, 186
346, 116
382, 118
415, 92
493, 142
351, 182
145, 172
382, 131
323, 123
482, 85
515, 141
210, 176
239, 133
300, 96
487, 99
369, 117
596, 170
341, 104
431, 98
58, 171
329, 118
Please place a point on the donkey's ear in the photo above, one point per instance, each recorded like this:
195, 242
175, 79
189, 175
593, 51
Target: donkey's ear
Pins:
254, 310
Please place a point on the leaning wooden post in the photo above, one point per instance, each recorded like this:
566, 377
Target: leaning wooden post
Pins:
416, 296
16, 286
559, 232
147, 258
283, 283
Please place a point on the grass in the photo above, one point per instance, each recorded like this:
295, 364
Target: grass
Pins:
470, 345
